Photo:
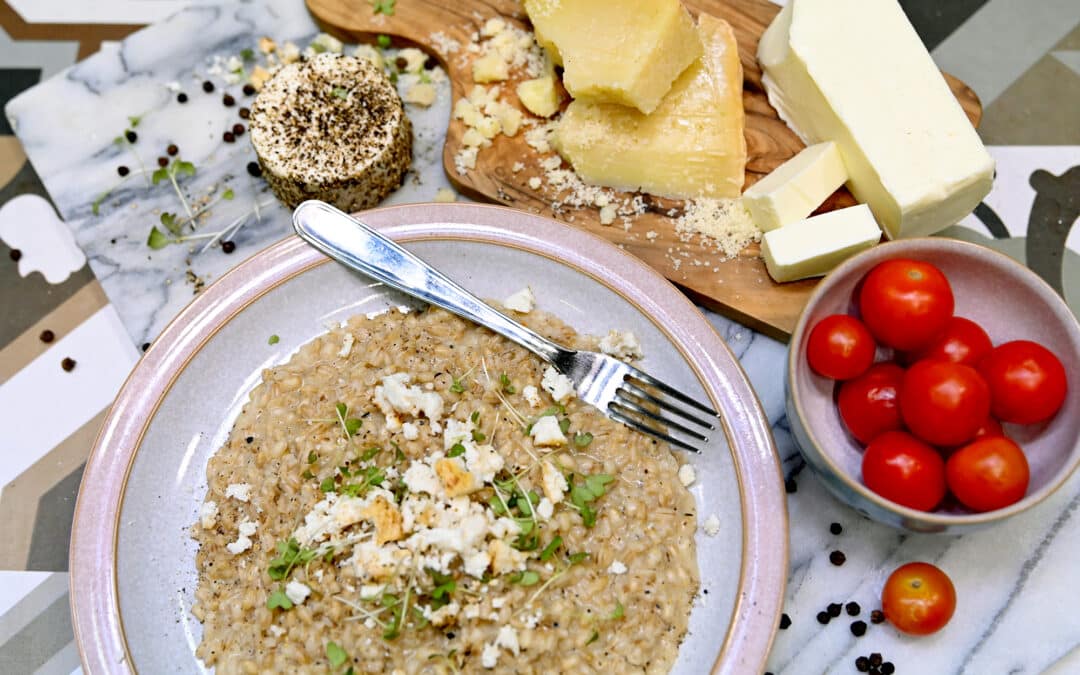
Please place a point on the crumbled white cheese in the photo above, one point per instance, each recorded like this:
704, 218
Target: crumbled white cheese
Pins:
532, 395
712, 525
545, 432
421, 477
421, 93
208, 513
276, 630
622, 345
492, 27
483, 461
521, 301
241, 492
410, 431
552, 481
445, 195
456, 432
371, 54
558, 385
535, 183
616, 567
297, 591
508, 639
394, 396
324, 42
607, 214
414, 59
687, 474
545, 509
243, 542
443, 615
346, 345
490, 656
517, 167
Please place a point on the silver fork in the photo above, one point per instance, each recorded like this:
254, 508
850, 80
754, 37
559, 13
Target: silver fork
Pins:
617, 389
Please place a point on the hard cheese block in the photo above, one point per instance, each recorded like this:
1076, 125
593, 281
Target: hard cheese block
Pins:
617, 52
812, 247
796, 187
691, 146
855, 72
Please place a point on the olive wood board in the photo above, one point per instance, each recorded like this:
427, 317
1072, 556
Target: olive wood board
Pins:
740, 288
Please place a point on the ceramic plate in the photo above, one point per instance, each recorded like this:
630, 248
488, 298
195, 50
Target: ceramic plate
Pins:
132, 557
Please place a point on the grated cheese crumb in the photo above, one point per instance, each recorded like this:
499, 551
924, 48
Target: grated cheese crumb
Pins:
208, 514
521, 301
687, 474
724, 222
616, 567
241, 492
712, 525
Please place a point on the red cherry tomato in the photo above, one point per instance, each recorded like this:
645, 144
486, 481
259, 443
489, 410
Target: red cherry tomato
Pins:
944, 403
918, 598
990, 428
963, 341
869, 404
989, 473
1027, 382
903, 469
906, 304
840, 347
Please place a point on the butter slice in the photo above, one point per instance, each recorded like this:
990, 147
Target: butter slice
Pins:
812, 247
795, 188
691, 146
855, 72
614, 53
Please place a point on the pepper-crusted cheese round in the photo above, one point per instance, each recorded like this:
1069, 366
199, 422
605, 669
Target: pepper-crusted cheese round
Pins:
331, 128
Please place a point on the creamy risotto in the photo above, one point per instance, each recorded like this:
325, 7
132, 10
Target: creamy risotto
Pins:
413, 493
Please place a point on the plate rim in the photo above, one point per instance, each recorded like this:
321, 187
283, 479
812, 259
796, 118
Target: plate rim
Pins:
94, 598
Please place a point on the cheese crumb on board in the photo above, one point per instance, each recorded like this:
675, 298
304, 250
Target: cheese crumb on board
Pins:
540, 96
724, 221
421, 93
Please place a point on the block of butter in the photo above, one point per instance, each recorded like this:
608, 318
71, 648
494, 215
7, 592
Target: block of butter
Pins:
614, 53
796, 187
812, 247
691, 146
855, 72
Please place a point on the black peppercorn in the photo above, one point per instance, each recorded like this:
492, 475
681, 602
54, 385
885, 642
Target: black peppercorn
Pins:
249, 439
228, 100
47, 336
837, 558
877, 616
163, 162
249, 89
401, 63
228, 246
181, 97
238, 129
172, 149
123, 170
131, 136
834, 609
887, 668
853, 608
228, 137
823, 618
430, 62
858, 628
790, 486
254, 169
244, 113
836, 528
15, 255
208, 86
785, 621
145, 346
875, 659
862, 664
68, 364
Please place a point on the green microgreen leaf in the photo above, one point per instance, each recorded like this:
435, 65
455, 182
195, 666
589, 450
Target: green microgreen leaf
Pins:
340, 92
247, 54
593, 638
597, 482
475, 417
383, 41
577, 558
307, 475
228, 194
352, 425
525, 542
159, 175
312, 457
182, 167
550, 549
525, 578
478, 436
342, 409
457, 387
507, 387
336, 655
170, 222
274, 339
383, 7
582, 439
564, 424
370, 453
456, 450
327, 485
618, 612
134, 120
278, 599
496, 505
157, 239
399, 456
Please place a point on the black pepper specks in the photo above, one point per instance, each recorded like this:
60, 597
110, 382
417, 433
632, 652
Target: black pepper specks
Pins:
172, 150
249, 89
852, 608
836, 528
228, 101
858, 628
823, 618
123, 170
834, 609
228, 246
47, 336
837, 558
238, 129
181, 97
244, 113
228, 137
862, 664
68, 364
163, 162
249, 439
785, 621
131, 136
208, 86
877, 616
15, 255
145, 346
887, 668
254, 169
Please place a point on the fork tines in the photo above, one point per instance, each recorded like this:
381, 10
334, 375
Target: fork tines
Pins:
639, 409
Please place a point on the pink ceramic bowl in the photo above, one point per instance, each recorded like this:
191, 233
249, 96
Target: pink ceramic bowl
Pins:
1011, 303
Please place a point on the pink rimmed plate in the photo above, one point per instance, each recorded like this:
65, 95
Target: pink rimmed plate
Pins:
133, 560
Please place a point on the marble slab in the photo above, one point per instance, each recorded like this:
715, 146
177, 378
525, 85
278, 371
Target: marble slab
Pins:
1016, 582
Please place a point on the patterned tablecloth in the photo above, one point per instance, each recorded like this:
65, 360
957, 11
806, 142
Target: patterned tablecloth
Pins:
1022, 58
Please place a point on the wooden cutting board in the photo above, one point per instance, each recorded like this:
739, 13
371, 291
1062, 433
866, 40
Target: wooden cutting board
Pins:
740, 287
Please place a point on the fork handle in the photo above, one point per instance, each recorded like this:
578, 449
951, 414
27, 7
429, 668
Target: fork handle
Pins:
360, 247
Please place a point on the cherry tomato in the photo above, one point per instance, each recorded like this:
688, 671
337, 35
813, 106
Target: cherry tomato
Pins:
903, 469
989, 473
944, 403
1027, 382
918, 598
840, 347
963, 341
905, 303
991, 427
869, 404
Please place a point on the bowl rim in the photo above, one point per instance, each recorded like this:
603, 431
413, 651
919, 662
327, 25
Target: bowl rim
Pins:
885, 251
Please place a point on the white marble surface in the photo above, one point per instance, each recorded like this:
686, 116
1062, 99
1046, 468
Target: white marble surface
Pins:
1016, 582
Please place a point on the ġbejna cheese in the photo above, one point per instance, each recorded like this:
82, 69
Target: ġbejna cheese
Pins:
794, 189
812, 247
855, 72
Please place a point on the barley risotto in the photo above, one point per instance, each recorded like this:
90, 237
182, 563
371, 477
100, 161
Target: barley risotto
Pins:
413, 493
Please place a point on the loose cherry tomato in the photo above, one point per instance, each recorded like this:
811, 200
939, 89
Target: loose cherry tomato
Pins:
903, 469
990, 428
906, 304
989, 473
1027, 382
918, 598
840, 347
944, 403
963, 341
869, 404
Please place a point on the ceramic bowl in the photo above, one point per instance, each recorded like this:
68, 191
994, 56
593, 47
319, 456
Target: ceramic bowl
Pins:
1011, 303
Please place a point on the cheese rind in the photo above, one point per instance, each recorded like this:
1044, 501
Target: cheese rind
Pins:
812, 247
612, 53
795, 188
855, 72
691, 146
